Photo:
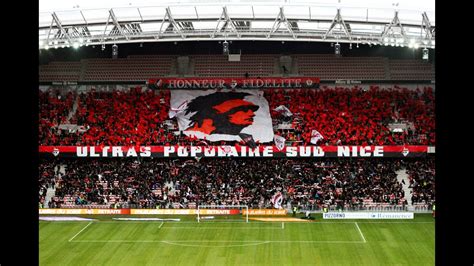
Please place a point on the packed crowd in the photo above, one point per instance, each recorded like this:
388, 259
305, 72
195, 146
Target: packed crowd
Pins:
421, 176
48, 173
358, 117
343, 116
54, 110
181, 183
123, 118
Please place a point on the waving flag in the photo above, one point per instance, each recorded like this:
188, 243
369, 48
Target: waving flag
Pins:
279, 142
283, 110
222, 115
315, 136
248, 140
277, 200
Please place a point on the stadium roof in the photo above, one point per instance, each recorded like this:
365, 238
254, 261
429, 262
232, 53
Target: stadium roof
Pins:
396, 23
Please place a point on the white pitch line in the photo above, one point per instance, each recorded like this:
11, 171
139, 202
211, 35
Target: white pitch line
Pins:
388, 222
209, 227
253, 222
220, 241
214, 246
80, 231
282, 225
362, 235
159, 227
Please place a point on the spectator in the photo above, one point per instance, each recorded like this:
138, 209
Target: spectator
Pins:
344, 116
153, 182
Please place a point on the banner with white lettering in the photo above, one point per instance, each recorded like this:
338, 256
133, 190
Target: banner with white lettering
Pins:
222, 115
236, 151
368, 215
233, 83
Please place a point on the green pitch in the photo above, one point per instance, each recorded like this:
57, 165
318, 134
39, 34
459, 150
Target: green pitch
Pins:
322, 242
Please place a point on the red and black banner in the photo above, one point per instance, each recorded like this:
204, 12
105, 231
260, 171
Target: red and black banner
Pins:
233, 83
215, 115
235, 151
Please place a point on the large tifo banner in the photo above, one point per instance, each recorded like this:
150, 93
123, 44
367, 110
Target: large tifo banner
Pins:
236, 151
222, 115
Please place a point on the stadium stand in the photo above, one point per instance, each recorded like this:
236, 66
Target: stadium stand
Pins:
358, 117
411, 70
60, 71
330, 67
219, 66
421, 176
324, 66
158, 183
54, 110
133, 68
344, 116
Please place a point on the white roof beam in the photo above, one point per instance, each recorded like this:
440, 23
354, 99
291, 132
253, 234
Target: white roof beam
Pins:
117, 24
217, 26
140, 13
287, 23
256, 25
395, 23
161, 27
338, 20
275, 26
281, 18
82, 14
49, 32
426, 25
228, 21
173, 22
61, 28
105, 29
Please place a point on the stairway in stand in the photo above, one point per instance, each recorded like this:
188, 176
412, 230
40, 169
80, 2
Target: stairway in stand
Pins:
403, 176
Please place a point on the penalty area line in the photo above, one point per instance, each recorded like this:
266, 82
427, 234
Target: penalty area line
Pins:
80, 231
362, 235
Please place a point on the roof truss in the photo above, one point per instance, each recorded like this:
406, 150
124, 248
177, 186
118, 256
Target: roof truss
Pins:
169, 23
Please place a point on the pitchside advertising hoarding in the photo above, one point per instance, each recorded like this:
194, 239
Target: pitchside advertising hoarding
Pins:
271, 212
234, 151
368, 215
84, 211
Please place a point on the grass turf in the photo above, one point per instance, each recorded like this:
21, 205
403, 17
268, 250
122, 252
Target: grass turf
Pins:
323, 242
